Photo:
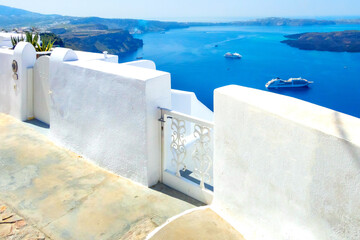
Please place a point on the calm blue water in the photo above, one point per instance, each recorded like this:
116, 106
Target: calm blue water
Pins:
197, 66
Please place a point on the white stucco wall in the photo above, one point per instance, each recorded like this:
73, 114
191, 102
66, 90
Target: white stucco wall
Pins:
5, 38
142, 63
187, 102
7, 92
285, 168
108, 112
41, 89
87, 56
14, 93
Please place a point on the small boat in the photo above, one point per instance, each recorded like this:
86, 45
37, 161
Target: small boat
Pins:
290, 83
232, 55
139, 57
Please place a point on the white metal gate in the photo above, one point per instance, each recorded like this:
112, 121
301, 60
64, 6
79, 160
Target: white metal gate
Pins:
187, 154
42, 89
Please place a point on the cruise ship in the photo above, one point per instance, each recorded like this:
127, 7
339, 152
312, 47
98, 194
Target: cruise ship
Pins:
290, 83
232, 55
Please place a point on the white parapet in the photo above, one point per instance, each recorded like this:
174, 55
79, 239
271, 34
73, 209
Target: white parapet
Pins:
108, 112
142, 63
187, 103
5, 38
88, 56
14, 84
285, 168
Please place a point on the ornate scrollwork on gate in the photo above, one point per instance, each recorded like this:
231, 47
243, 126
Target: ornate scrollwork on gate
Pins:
177, 145
202, 154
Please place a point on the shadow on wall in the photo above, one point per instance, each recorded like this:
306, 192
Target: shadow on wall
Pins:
334, 189
350, 148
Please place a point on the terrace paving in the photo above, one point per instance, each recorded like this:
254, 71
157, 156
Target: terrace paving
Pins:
48, 192
63, 196
202, 224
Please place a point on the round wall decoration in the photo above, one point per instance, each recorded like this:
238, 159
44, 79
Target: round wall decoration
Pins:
14, 66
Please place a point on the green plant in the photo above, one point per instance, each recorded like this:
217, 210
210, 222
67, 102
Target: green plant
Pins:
32, 38
16, 40
52, 37
45, 46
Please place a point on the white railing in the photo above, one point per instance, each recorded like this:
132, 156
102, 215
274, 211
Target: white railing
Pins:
187, 154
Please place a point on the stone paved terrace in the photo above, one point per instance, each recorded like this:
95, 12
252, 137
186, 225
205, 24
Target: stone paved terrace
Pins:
13, 226
67, 197
48, 192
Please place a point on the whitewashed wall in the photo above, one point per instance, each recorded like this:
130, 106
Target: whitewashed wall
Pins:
87, 56
5, 38
285, 168
41, 89
142, 63
14, 93
187, 102
108, 112
7, 92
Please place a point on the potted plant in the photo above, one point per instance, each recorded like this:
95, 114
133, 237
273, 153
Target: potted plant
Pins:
41, 48
16, 40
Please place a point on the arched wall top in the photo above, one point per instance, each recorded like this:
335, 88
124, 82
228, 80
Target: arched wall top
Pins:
63, 55
26, 52
142, 63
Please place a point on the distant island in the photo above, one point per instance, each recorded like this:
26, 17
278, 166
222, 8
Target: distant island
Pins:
276, 21
343, 41
97, 38
116, 35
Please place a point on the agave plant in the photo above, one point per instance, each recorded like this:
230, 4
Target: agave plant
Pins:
45, 46
16, 40
32, 38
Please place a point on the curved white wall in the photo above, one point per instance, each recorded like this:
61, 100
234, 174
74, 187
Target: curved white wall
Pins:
142, 63
285, 168
14, 93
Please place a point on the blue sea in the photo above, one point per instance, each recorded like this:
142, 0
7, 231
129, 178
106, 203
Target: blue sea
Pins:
197, 65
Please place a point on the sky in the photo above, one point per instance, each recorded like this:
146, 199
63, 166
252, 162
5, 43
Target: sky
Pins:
190, 10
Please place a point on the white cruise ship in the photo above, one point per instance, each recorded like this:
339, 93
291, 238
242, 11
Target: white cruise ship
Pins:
232, 55
291, 83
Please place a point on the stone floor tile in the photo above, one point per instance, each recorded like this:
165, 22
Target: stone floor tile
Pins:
67, 197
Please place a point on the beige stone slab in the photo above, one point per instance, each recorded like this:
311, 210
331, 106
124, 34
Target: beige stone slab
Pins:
43, 176
202, 224
67, 197
121, 206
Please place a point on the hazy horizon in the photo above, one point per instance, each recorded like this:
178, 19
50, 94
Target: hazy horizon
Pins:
187, 10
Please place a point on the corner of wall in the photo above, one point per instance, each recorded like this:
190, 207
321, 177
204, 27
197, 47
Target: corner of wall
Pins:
158, 95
